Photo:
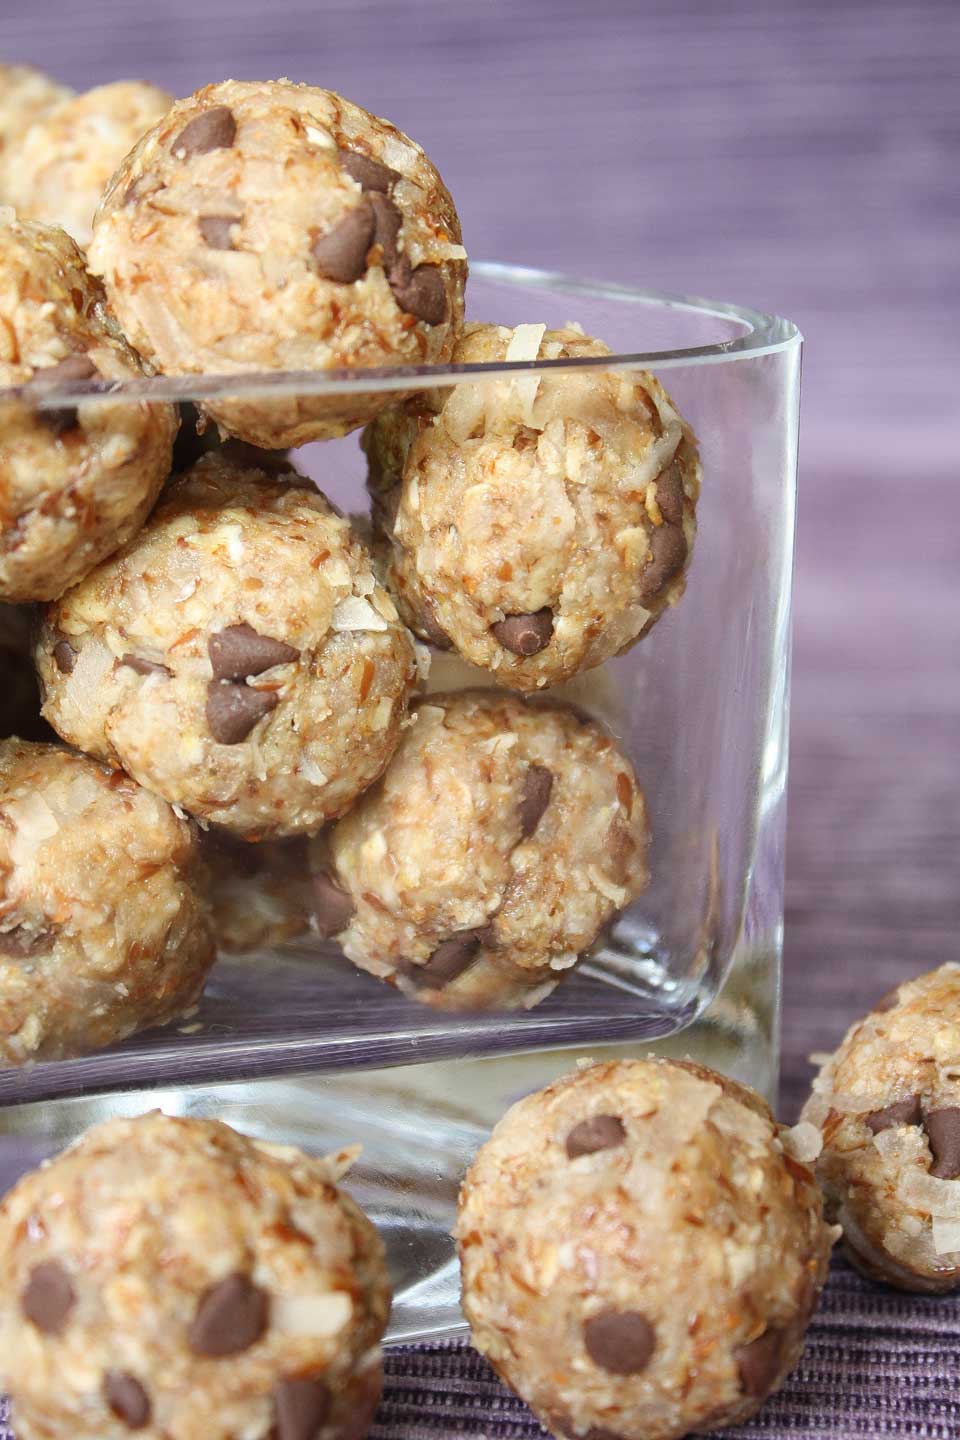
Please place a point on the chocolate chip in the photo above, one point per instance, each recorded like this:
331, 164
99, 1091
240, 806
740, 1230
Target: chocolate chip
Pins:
64, 657
537, 787
213, 129
525, 634
450, 959
759, 1362
943, 1132
20, 942
600, 1132
668, 551
431, 626
143, 666
369, 174
127, 1399
332, 907
670, 495
49, 1297
240, 651
341, 254
904, 1112
421, 293
230, 1318
302, 1408
233, 710
620, 1341
386, 229
70, 371
216, 230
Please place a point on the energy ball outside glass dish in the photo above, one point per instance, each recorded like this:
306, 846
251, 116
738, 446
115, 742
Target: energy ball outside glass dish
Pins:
19, 694
25, 94
885, 1118
278, 227
257, 896
640, 1257
172, 1278
502, 840
76, 481
101, 927
237, 657
56, 170
539, 526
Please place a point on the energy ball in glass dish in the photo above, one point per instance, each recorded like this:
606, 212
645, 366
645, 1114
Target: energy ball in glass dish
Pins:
238, 657
272, 227
102, 932
171, 1277
25, 94
640, 1258
257, 896
57, 168
78, 480
19, 694
885, 1118
537, 526
502, 840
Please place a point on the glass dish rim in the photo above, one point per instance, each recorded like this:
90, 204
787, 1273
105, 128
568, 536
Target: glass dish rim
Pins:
766, 334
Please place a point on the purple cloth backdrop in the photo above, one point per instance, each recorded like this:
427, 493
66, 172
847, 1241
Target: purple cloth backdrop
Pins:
799, 157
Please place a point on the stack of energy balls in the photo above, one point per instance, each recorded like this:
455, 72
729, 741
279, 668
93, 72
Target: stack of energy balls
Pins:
240, 673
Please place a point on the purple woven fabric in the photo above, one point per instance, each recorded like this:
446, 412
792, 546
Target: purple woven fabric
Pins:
800, 157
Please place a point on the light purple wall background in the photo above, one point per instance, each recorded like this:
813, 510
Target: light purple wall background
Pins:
800, 157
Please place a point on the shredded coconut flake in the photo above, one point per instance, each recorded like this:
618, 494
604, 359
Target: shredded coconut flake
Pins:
319, 137
525, 345
314, 1315
946, 1236
35, 822
356, 613
804, 1142
311, 771
926, 1192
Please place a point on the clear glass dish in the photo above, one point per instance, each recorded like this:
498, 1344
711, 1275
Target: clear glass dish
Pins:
299, 1045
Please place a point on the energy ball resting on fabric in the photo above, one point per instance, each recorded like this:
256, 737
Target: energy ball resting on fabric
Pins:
101, 927
57, 168
173, 1278
503, 838
277, 226
19, 694
237, 657
256, 895
885, 1109
537, 526
75, 481
639, 1256
25, 94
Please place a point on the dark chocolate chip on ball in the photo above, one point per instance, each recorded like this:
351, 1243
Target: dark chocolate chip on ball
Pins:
758, 1363
127, 1399
22, 942
64, 657
599, 1132
943, 1133
230, 1317
233, 710
449, 961
332, 907
620, 1341
239, 651
904, 1112
386, 230
525, 634
72, 370
534, 798
668, 551
422, 294
214, 129
49, 1297
140, 665
302, 1408
369, 174
670, 495
217, 231
341, 254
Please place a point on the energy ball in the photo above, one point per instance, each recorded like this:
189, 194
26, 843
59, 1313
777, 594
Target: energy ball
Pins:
257, 896
537, 526
75, 481
58, 168
238, 657
19, 695
275, 226
640, 1258
25, 94
101, 927
502, 840
885, 1109
174, 1278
